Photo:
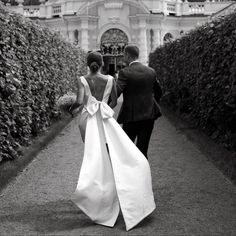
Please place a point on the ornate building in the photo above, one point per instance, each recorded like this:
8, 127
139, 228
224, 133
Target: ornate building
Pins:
109, 25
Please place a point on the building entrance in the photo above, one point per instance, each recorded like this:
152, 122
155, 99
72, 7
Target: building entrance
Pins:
112, 64
112, 47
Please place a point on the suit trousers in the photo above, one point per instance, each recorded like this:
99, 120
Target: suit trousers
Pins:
141, 130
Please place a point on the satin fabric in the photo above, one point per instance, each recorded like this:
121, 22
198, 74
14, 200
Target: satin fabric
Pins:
114, 174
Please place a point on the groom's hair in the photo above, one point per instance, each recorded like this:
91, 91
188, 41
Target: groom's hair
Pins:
132, 50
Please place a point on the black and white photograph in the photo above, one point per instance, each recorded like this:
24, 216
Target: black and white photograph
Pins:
118, 117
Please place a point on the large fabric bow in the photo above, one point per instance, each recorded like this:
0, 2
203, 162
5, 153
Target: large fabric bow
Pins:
93, 106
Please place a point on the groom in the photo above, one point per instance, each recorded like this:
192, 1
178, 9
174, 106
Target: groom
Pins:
141, 94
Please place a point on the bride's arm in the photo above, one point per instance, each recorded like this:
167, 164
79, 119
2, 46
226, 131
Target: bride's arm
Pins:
79, 95
113, 96
79, 91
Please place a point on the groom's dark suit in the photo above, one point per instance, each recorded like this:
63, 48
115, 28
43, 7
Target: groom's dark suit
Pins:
141, 93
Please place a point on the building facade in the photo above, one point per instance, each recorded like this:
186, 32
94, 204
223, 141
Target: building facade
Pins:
109, 25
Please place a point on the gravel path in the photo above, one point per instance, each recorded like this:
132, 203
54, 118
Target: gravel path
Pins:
192, 196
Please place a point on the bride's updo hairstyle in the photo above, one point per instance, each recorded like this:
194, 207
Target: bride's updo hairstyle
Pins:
94, 61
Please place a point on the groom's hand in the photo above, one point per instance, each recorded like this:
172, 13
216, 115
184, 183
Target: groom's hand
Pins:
121, 83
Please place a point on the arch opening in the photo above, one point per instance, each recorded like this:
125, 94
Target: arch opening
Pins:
168, 38
113, 42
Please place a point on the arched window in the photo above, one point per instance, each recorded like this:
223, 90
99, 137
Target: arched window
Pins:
113, 42
168, 38
151, 39
76, 37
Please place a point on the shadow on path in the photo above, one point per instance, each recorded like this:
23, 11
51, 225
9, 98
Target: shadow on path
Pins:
56, 217
49, 217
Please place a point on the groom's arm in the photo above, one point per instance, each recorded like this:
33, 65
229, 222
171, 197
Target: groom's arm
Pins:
121, 83
157, 89
112, 102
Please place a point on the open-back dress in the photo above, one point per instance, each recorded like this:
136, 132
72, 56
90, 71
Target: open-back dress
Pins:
114, 174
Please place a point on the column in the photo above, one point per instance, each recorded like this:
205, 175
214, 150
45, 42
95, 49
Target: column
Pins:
71, 36
84, 34
64, 34
49, 11
178, 8
165, 11
42, 9
20, 8
69, 9
185, 8
63, 8
143, 41
157, 38
161, 37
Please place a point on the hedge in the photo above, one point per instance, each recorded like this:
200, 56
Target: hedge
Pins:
36, 67
198, 75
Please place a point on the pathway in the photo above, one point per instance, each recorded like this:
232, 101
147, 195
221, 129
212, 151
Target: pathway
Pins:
192, 196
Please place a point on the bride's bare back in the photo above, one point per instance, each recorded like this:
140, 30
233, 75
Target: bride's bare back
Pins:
97, 84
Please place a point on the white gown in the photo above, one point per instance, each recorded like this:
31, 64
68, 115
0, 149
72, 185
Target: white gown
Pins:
114, 180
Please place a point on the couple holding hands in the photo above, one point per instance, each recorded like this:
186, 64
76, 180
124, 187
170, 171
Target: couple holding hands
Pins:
115, 174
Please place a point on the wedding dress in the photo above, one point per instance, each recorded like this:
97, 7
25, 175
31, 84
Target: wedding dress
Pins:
114, 174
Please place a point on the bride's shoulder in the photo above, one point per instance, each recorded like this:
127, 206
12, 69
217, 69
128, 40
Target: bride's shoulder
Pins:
102, 77
109, 77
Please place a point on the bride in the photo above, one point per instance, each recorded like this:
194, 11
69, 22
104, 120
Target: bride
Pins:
114, 174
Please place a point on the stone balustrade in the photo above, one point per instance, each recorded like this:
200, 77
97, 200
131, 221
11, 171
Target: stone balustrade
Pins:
197, 8
168, 7
31, 11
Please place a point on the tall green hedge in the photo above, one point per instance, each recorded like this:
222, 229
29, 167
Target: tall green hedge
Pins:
198, 75
36, 67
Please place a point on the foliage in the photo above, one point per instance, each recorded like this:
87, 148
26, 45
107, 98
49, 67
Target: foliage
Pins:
198, 75
36, 67
26, 2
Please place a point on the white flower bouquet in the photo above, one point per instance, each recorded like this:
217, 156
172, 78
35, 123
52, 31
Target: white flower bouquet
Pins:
67, 103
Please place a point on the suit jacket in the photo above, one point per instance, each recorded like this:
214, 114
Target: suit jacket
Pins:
141, 93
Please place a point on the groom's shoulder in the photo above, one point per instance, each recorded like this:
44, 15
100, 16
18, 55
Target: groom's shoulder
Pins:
149, 69
137, 67
126, 70
146, 67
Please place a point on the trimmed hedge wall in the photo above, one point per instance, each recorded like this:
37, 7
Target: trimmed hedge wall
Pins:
198, 75
36, 67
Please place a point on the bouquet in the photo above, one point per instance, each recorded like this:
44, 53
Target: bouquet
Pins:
67, 103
